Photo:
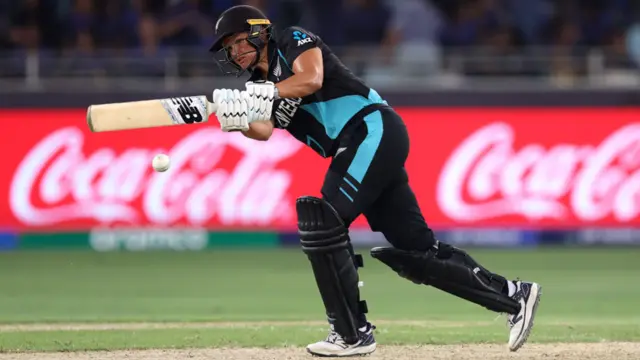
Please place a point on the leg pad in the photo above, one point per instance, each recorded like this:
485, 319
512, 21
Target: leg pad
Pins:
451, 270
325, 240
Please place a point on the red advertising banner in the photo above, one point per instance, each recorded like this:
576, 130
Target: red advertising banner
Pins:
529, 168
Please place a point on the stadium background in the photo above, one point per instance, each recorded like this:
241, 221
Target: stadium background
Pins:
523, 117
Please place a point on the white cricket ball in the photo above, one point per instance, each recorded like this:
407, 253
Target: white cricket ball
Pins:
161, 163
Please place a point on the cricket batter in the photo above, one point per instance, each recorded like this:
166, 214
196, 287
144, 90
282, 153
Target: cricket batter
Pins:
299, 85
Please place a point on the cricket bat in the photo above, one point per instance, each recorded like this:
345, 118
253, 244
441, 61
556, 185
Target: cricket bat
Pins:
149, 113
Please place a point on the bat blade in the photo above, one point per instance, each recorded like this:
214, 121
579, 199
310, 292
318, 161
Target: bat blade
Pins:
149, 113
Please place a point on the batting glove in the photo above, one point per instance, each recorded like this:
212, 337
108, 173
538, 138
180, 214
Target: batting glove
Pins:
232, 110
260, 98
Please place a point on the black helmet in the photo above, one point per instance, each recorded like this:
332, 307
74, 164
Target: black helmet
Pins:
241, 18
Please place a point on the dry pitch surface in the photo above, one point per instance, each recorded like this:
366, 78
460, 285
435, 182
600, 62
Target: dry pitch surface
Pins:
559, 351
602, 351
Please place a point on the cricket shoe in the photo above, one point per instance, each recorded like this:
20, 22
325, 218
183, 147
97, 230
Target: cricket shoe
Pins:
528, 296
334, 345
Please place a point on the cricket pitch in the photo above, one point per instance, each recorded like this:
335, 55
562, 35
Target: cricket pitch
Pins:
530, 351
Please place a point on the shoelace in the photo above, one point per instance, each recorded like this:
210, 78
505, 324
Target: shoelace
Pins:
333, 337
510, 317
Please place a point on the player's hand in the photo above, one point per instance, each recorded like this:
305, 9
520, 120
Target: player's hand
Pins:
232, 110
260, 98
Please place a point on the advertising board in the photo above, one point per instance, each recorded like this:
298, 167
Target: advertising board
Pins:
560, 168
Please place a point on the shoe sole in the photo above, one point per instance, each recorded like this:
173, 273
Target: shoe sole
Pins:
531, 310
357, 351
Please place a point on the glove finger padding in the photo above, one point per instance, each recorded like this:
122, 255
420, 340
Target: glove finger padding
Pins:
221, 111
229, 94
231, 115
248, 106
221, 95
231, 111
249, 99
244, 111
262, 95
223, 115
262, 107
238, 115
262, 91
269, 106
216, 97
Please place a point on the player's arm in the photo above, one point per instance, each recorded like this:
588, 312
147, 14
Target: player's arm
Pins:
307, 79
308, 74
302, 52
259, 130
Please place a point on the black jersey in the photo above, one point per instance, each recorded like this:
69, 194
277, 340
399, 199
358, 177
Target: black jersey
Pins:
319, 118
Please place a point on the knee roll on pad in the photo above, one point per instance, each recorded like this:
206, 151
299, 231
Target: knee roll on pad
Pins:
451, 270
325, 240
320, 227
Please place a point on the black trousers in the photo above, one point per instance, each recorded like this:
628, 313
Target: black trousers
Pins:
368, 176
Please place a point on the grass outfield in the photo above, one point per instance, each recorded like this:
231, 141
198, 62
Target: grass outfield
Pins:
74, 301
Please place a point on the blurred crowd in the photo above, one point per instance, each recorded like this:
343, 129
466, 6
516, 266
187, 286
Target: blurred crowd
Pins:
396, 29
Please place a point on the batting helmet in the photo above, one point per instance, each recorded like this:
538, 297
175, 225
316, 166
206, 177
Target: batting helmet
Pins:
241, 18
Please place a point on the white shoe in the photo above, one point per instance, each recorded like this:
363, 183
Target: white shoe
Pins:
528, 296
334, 345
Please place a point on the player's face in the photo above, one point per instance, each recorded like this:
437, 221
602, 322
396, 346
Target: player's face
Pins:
240, 50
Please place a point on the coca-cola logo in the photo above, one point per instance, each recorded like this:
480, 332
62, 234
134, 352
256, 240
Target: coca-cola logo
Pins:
487, 177
58, 181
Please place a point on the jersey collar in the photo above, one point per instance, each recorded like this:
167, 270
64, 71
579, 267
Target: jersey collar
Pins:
272, 58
